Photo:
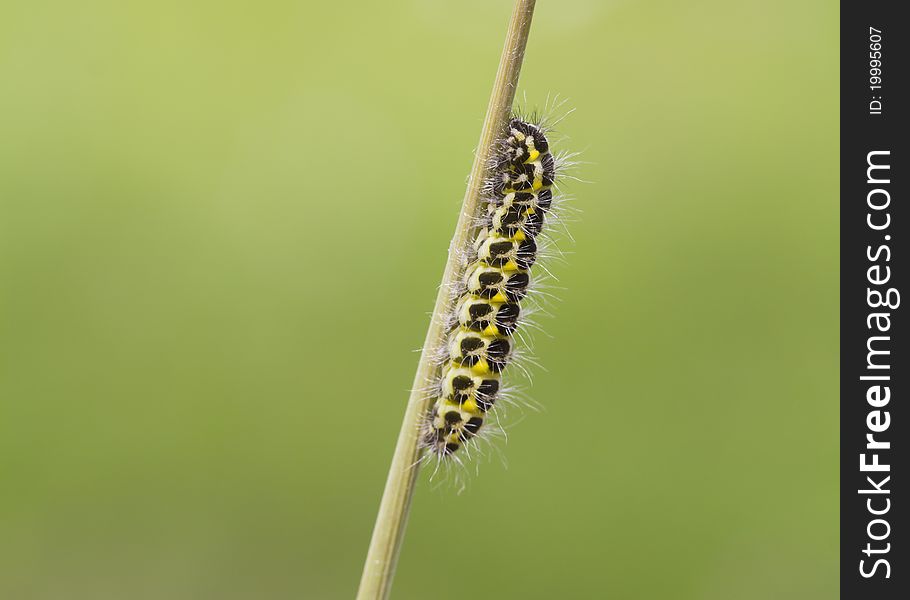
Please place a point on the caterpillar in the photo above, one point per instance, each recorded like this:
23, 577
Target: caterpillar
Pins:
479, 344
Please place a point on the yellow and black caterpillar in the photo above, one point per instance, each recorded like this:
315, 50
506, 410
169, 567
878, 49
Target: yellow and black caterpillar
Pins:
479, 343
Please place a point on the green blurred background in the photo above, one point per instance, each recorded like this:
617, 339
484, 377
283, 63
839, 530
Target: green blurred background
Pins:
222, 225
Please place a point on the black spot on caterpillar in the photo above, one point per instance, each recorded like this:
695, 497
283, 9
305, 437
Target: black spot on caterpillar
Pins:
479, 346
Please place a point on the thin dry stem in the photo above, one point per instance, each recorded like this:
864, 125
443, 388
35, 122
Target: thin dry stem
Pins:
391, 521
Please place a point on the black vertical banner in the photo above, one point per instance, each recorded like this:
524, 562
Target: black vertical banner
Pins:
875, 374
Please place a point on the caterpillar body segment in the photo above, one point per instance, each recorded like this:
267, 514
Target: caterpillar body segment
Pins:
493, 284
479, 344
463, 385
509, 221
482, 353
488, 317
508, 253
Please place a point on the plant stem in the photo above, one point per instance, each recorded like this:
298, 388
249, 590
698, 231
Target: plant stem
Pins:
388, 532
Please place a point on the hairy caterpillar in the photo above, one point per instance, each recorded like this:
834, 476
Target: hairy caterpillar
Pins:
479, 344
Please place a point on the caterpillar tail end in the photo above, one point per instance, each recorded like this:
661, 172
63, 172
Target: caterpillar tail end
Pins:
452, 425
